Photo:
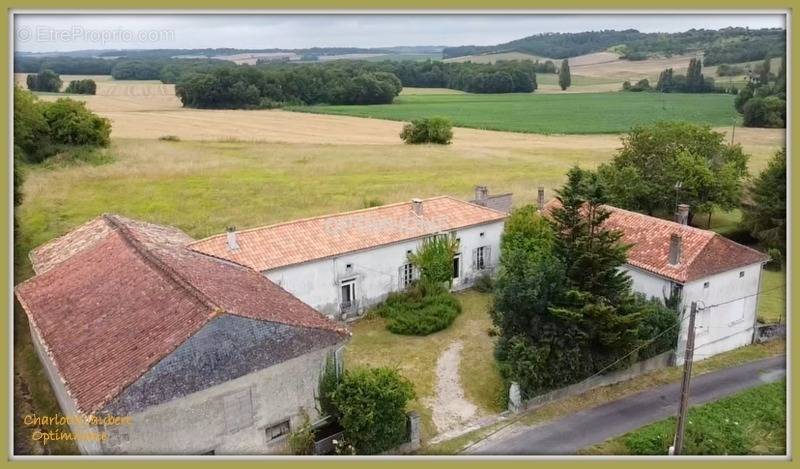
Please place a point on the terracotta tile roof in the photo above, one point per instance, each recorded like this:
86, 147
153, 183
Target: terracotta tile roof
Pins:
703, 253
125, 294
309, 239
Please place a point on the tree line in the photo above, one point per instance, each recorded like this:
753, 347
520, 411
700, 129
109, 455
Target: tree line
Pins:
670, 82
762, 102
253, 87
340, 82
727, 45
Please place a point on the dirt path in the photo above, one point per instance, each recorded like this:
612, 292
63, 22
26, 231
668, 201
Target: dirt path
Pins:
450, 408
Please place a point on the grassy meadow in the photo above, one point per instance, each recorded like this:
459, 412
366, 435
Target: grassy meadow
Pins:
752, 422
575, 113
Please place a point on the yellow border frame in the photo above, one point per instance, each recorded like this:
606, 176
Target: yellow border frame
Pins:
414, 6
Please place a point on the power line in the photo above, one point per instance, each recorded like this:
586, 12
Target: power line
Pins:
740, 298
650, 341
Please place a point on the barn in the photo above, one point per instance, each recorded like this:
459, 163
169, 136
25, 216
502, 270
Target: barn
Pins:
200, 355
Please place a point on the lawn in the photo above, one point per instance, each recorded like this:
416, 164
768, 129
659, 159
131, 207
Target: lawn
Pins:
772, 304
580, 113
416, 357
752, 422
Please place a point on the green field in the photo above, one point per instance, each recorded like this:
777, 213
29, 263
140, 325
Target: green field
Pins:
752, 422
579, 113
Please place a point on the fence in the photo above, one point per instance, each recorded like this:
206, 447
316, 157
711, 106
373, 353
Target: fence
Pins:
517, 404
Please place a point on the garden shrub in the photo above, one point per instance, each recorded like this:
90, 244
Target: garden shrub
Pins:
775, 260
484, 283
419, 311
71, 123
301, 440
169, 138
428, 130
371, 403
327, 385
658, 321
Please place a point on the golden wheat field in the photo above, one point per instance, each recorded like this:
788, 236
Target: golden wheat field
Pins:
150, 110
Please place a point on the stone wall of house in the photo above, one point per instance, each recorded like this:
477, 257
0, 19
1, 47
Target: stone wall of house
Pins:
85, 443
241, 416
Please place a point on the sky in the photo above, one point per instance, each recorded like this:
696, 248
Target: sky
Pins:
51, 33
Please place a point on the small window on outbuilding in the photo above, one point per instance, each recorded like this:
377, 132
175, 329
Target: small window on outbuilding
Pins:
278, 430
741, 274
482, 234
707, 284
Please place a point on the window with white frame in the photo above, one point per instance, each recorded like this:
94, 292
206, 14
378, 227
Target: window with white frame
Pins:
278, 430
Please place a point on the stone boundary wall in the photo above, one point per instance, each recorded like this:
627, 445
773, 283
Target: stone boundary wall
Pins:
517, 404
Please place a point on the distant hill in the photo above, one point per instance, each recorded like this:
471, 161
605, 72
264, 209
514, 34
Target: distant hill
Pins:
728, 45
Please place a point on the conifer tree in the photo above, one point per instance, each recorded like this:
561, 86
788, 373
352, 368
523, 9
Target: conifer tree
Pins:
564, 77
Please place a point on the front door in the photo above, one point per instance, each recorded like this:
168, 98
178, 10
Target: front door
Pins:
348, 295
456, 269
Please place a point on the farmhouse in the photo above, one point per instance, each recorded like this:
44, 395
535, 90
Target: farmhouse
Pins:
342, 264
671, 258
202, 354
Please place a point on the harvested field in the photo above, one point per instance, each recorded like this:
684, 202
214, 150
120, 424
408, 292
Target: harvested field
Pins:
492, 58
115, 96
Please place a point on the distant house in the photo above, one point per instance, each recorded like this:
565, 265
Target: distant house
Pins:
204, 355
669, 258
342, 264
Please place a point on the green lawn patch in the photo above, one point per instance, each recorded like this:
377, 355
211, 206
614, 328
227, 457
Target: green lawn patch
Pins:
415, 357
577, 113
772, 303
751, 422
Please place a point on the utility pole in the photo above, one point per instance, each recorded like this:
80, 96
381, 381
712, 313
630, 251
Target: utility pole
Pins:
687, 376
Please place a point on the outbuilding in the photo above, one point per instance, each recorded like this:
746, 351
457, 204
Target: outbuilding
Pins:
202, 355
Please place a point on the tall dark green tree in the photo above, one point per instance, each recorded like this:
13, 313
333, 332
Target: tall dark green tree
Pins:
694, 77
763, 71
764, 209
564, 76
563, 306
665, 82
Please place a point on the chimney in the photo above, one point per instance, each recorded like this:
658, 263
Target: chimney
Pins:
682, 215
232, 244
675, 249
481, 193
416, 204
541, 198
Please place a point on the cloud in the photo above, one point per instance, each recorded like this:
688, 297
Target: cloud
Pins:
49, 32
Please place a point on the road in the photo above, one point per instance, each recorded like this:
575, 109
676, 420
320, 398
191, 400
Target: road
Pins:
595, 425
